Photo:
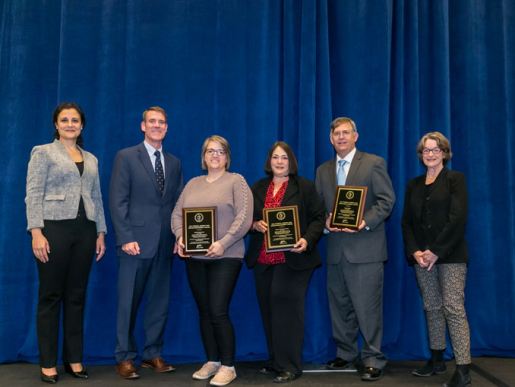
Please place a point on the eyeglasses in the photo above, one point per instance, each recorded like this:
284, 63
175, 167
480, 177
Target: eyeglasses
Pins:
219, 152
434, 150
342, 132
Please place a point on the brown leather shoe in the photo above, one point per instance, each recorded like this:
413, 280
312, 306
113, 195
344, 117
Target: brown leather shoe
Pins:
126, 370
157, 364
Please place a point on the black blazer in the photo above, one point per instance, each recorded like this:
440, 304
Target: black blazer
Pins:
302, 193
443, 231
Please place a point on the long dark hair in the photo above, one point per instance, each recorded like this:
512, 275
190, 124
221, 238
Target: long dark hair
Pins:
64, 106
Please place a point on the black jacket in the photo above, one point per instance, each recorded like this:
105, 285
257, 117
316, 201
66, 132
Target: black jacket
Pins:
302, 193
446, 208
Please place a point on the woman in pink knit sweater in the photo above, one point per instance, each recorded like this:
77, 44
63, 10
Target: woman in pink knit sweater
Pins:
212, 276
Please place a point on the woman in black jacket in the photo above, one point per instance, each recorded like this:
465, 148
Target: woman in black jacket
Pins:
433, 227
282, 278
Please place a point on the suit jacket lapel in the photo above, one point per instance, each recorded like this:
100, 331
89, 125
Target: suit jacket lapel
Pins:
354, 166
291, 190
147, 164
261, 190
333, 180
87, 163
168, 169
438, 180
66, 158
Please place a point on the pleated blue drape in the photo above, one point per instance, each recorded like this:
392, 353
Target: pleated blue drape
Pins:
256, 72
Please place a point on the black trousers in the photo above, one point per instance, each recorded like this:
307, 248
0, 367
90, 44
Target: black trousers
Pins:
212, 283
281, 294
63, 280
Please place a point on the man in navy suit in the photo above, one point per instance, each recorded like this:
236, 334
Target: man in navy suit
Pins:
355, 258
145, 185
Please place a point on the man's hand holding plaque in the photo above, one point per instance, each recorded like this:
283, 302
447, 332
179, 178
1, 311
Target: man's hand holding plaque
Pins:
282, 231
198, 229
349, 204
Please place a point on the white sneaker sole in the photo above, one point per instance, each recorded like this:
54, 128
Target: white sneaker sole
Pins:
221, 383
200, 377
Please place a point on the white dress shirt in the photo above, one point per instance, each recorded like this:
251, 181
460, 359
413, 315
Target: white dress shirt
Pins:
151, 150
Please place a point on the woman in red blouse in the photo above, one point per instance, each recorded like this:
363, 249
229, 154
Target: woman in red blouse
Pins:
282, 278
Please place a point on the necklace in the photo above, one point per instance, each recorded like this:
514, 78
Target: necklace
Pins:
430, 179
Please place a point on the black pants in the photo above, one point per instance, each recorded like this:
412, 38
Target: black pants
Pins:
212, 283
63, 279
281, 294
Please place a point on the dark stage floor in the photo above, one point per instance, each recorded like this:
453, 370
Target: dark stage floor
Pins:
486, 371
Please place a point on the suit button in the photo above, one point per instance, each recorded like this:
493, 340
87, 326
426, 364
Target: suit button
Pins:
428, 227
159, 223
428, 213
428, 198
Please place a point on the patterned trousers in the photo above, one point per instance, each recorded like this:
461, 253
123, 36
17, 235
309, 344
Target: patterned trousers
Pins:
443, 297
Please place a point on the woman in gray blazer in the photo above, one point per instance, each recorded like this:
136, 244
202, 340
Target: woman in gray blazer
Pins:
433, 227
65, 217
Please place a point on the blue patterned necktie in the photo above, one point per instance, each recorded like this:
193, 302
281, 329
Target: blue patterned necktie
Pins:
342, 177
160, 176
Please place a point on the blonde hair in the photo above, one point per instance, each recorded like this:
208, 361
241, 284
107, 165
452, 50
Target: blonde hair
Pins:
225, 145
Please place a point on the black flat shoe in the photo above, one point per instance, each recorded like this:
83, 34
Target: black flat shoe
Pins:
430, 368
267, 370
49, 378
341, 365
461, 377
435, 365
372, 374
285, 377
81, 374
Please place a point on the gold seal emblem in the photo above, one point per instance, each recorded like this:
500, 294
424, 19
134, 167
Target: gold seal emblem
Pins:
199, 217
281, 215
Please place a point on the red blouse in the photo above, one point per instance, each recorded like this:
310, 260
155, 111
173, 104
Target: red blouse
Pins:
272, 201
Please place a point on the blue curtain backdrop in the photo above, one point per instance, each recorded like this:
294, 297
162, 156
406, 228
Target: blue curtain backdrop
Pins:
256, 72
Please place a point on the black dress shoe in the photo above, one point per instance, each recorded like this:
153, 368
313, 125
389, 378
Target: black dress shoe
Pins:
81, 374
372, 374
435, 365
341, 365
285, 377
49, 378
430, 368
461, 377
267, 370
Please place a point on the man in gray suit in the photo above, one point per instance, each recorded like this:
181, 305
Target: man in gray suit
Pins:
355, 258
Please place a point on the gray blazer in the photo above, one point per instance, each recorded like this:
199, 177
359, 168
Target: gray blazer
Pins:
366, 170
55, 186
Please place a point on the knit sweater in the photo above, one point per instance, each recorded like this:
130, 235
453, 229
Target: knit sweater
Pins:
232, 198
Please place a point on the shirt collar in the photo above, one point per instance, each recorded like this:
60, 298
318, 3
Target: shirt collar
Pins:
150, 149
348, 158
